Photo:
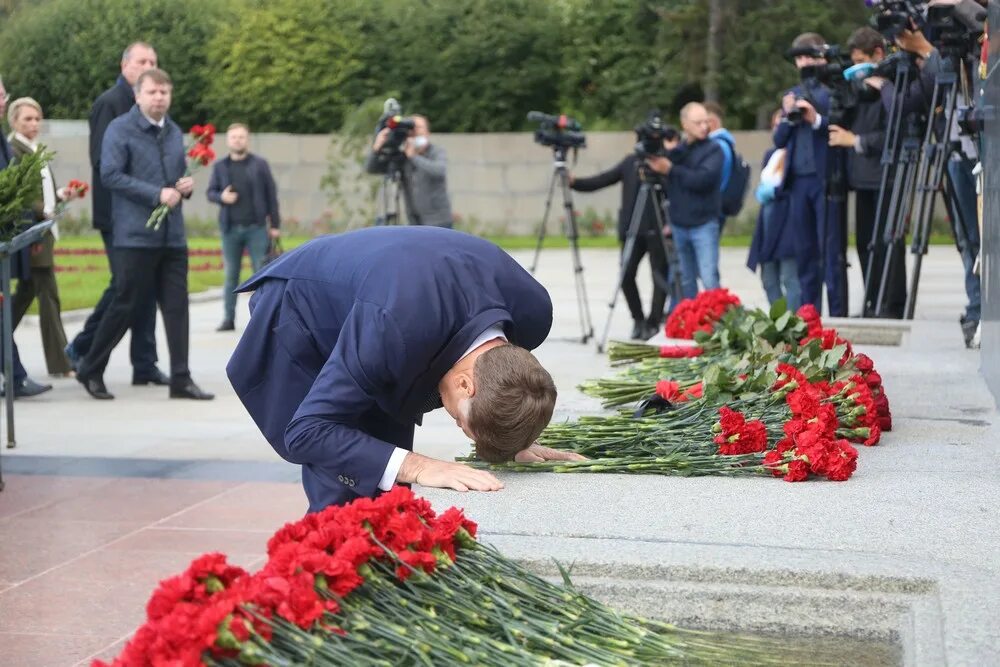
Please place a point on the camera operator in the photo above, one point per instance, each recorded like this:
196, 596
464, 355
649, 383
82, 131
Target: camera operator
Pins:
424, 173
693, 168
865, 139
803, 133
627, 173
961, 163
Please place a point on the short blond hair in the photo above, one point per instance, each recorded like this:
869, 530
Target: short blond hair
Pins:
238, 126
513, 403
15, 108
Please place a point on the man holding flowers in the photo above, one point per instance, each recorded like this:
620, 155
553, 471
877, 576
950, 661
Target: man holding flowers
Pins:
353, 337
143, 165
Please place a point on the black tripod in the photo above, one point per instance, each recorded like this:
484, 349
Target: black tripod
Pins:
931, 173
895, 198
395, 187
649, 187
561, 175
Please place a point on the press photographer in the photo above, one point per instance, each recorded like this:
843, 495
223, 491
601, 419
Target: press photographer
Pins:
863, 137
630, 172
693, 168
403, 151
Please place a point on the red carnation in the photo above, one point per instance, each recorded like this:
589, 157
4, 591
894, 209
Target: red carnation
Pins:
740, 436
668, 390
680, 351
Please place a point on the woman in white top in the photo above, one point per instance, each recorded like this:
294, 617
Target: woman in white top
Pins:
25, 118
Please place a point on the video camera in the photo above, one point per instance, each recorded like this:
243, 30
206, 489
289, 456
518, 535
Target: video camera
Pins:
399, 129
892, 17
651, 135
559, 131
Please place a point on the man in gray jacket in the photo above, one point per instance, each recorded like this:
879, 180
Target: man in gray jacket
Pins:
424, 171
143, 165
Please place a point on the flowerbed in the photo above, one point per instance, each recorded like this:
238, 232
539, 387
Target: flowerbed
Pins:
389, 582
757, 393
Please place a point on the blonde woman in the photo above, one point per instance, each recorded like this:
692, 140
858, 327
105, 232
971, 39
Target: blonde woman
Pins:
25, 118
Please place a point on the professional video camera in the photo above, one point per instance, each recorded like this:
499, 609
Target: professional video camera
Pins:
560, 131
651, 135
399, 130
892, 17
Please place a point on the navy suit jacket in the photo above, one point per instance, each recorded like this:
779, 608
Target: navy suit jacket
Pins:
350, 334
785, 135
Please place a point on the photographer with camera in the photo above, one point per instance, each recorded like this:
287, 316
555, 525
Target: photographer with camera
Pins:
864, 140
629, 173
693, 168
404, 146
803, 133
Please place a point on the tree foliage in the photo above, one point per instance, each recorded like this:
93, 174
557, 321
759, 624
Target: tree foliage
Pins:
471, 65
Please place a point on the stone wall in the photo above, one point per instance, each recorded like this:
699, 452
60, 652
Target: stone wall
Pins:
498, 182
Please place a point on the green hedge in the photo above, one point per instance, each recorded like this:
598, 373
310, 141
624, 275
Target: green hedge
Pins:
470, 65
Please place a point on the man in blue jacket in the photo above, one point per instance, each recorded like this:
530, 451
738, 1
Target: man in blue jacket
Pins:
353, 337
804, 134
143, 165
694, 170
244, 188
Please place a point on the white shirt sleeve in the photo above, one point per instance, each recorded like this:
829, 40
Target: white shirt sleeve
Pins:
818, 121
392, 469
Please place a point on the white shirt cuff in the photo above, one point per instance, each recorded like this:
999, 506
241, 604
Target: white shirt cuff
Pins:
392, 469
817, 122
857, 146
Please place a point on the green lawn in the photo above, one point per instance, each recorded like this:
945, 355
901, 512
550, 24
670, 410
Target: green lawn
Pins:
82, 287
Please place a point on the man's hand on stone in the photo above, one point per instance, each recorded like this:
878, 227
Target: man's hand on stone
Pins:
170, 196
537, 453
423, 470
229, 196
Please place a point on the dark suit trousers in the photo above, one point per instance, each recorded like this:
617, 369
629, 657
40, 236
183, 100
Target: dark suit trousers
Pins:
645, 243
142, 350
43, 287
141, 271
865, 209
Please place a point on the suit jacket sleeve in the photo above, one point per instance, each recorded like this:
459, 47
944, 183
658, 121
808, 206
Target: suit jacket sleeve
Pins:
601, 180
369, 356
215, 186
272, 195
114, 161
101, 115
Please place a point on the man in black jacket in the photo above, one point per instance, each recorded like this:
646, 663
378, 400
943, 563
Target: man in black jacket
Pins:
244, 188
114, 102
865, 140
694, 171
626, 172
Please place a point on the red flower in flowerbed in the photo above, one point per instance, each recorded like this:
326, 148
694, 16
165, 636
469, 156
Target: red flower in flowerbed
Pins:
214, 607
700, 313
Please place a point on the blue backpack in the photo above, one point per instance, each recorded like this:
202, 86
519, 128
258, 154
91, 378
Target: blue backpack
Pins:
735, 191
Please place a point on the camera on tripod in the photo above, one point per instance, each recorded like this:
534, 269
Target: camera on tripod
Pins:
894, 16
399, 130
651, 134
559, 131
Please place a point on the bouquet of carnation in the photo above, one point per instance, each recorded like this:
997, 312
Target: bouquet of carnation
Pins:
199, 154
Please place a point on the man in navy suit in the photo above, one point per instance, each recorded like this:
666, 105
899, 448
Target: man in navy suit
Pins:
804, 134
353, 337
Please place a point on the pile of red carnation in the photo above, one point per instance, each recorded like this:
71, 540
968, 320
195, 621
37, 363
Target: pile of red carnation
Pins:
700, 313
215, 608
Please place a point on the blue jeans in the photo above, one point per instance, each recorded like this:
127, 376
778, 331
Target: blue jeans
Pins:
965, 196
698, 250
234, 240
781, 279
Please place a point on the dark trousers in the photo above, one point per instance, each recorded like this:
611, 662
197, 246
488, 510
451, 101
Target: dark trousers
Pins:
967, 224
43, 287
646, 242
865, 210
142, 271
820, 243
142, 349
20, 374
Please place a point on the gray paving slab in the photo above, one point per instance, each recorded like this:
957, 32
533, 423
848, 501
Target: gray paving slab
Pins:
907, 549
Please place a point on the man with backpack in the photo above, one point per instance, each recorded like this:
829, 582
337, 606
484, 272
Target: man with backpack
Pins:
735, 170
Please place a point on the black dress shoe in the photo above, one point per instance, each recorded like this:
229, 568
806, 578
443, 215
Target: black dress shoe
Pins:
158, 378
95, 387
638, 330
227, 325
651, 330
27, 389
190, 390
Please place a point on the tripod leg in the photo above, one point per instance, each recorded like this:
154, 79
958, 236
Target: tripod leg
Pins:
545, 218
572, 232
627, 250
